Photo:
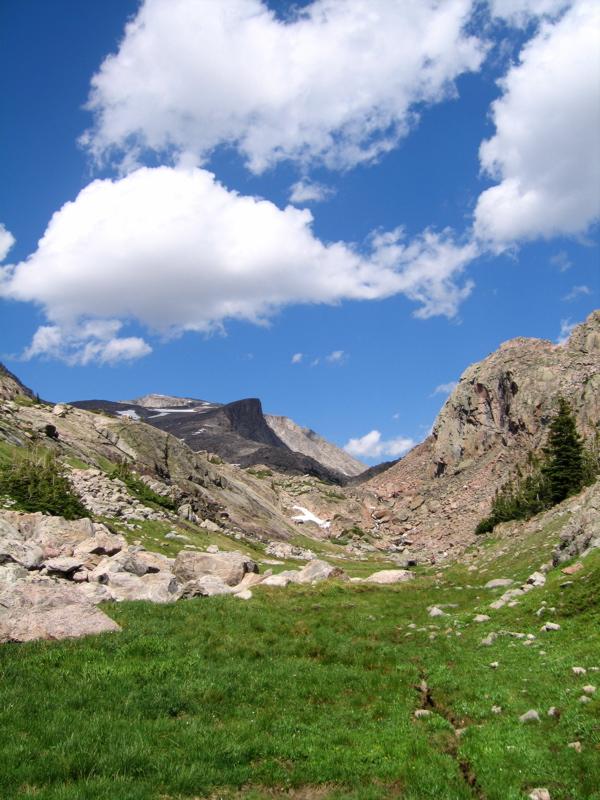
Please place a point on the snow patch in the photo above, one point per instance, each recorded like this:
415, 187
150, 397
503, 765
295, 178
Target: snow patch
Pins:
131, 413
308, 516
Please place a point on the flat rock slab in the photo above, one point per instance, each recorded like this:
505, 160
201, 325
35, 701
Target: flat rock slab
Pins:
389, 576
498, 583
46, 610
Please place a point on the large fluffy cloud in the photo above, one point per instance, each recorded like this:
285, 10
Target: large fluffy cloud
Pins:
339, 83
371, 445
519, 12
546, 150
174, 250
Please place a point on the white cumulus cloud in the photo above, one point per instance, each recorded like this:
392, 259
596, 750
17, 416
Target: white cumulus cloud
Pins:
306, 191
6, 241
176, 251
92, 342
297, 358
337, 83
519, 12
545, 153
566, 329
371, 445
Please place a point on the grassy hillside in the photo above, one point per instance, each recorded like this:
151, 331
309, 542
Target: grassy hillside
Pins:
310, 693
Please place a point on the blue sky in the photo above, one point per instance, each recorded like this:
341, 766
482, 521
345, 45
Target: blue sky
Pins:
181, 264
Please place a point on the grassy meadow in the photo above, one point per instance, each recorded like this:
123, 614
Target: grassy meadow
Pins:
310, 693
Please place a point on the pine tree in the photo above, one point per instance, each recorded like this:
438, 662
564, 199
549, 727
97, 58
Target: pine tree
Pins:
564, 470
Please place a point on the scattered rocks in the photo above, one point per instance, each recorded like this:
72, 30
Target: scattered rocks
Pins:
553, 712
539, 794
286, 550
575, 746
422, 713
489, 639
495, 664
496, 709
573, 569
589, 689
498, 583
550, 626
434, 611
390, 576
530, 716
578, 670
585, 699
481, 618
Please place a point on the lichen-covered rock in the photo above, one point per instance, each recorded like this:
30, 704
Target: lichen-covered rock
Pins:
230, 567
45, 609
389, 576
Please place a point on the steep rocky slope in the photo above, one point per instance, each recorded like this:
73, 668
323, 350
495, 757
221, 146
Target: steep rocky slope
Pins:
498, 413
305, 440
11, 386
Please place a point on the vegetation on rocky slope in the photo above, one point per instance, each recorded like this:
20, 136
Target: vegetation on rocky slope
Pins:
34, 480
569, 464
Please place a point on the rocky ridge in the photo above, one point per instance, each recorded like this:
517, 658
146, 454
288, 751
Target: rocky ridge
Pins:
498, 414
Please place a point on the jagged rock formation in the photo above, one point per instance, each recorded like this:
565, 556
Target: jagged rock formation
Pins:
497, 414
305, 440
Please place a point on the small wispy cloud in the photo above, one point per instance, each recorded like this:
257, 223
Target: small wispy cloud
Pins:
371, 445
306, 191
297, 358
566, 329
337, 357
445, 388
561, 260
577, 291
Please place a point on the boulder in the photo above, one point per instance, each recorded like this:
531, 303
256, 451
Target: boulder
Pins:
11, 573
27, 554
158, 587
498, 583
318, 570
230, 567
103, 543
206, 586
389, 576
47, 609
276, 580
287, 550
63, 565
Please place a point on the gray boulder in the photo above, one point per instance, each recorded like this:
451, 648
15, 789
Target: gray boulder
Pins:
45, 609
389, 576
230, 567
318, 570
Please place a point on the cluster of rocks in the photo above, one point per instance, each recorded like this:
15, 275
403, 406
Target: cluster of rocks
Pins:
287, 550
511, 597
54, 572
109, 497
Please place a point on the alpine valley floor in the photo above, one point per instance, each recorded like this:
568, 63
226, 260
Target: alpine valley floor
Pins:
314, 692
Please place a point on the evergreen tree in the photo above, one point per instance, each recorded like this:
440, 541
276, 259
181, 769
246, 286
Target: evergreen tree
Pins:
564, 470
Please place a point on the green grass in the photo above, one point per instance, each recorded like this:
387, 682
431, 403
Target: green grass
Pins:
309, 693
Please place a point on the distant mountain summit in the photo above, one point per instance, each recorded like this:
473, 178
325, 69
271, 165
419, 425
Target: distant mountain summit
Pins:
238, 432
305, 440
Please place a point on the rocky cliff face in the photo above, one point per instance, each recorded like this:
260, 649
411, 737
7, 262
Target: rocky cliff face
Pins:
11, 386
304, 440
498, 413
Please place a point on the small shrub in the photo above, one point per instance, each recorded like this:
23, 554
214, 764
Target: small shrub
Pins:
139, 489
35, 480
